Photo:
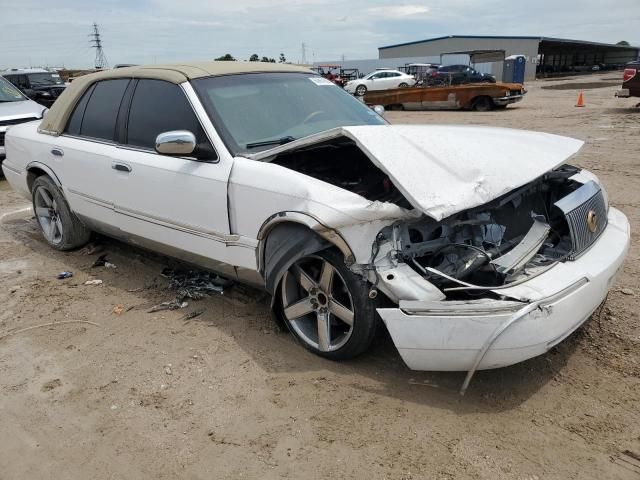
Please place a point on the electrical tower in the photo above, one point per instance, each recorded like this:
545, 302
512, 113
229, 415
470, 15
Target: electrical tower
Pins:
95, 41
304, 53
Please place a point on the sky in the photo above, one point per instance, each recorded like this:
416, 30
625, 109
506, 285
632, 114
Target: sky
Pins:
45, 33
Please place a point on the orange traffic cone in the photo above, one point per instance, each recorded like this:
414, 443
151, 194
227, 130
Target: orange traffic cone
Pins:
580, 102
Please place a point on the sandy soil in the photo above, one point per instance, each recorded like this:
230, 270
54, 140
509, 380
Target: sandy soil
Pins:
228, 395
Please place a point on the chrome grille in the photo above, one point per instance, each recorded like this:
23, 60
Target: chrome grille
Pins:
585, 203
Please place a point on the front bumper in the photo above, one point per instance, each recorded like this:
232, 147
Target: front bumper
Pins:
484, 334
508, 100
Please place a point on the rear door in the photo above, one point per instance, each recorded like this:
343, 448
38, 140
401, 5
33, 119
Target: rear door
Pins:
82, 156
178, 204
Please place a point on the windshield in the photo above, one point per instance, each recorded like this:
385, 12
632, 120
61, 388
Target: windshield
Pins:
9, 93
45, 79
254, 112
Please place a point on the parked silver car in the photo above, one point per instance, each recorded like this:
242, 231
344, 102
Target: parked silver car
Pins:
15, 108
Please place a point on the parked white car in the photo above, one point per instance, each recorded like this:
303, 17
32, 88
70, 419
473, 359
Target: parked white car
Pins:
478, 247
379, 80
15, 108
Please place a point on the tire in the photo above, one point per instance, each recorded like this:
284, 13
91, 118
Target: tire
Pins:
482, 104
403, 85
60, 227
327, 307
361, 90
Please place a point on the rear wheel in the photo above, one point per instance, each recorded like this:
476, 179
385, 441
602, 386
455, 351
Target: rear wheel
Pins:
361, 90
327, 307
403, 85
60, 227
483, 104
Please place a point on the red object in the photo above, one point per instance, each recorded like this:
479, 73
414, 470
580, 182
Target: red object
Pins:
580, 102
628, 74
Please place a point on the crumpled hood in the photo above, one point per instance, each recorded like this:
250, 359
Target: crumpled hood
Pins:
443, 169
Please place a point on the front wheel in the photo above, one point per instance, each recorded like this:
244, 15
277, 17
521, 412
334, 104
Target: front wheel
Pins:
483, 104
327, 307
361, 90
60, 227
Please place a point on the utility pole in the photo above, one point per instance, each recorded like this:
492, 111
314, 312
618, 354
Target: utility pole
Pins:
95, 41
304, 53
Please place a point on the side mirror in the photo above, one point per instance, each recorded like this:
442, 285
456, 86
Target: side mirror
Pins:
176, 142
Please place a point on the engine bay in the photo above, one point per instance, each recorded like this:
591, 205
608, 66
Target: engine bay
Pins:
342, 163
494, 245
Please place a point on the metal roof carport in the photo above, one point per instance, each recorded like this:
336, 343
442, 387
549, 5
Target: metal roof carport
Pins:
558, 55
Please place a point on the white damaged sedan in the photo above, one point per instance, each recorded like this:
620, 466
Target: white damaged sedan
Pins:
478, 247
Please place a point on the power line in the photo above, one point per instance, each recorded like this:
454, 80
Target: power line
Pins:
95, 41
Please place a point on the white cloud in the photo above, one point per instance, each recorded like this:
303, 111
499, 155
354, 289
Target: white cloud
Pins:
399, 11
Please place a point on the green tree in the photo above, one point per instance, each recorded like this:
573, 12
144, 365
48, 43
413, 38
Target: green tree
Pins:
623, 43
282, 58
268, 60
254, 58
227, 57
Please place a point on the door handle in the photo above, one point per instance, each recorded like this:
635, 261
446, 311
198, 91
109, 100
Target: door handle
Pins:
121, 167
57, 152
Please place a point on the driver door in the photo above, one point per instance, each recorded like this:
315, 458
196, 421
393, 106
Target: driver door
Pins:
177, 205
376, 82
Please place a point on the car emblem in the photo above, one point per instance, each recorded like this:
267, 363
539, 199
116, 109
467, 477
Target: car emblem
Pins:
592, 221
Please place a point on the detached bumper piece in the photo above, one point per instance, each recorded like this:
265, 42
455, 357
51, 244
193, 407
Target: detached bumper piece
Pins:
486, 333
623, 93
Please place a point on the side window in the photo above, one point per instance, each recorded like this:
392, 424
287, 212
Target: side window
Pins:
19, 81
75, 121
158, 107
101, 112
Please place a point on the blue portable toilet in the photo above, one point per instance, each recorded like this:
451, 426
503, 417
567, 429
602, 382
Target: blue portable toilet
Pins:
513, 70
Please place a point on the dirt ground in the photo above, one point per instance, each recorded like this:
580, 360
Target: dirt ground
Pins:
228, 395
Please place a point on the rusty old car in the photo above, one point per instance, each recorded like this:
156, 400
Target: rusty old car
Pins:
475, 96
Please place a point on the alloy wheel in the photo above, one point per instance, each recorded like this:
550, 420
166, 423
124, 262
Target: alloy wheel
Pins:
48, 215
317, 304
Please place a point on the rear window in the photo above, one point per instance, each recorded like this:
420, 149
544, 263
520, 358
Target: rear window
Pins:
101, 113
75, 122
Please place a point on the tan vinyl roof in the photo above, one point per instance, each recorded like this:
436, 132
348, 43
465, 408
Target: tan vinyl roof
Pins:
56, 118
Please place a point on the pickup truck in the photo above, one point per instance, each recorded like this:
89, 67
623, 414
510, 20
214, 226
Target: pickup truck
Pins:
630, 81
476, 96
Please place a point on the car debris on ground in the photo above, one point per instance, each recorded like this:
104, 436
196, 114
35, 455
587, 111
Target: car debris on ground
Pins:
190, 284
103, 261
